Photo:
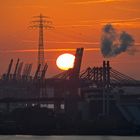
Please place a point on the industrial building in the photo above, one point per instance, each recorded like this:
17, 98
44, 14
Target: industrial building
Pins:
95, 100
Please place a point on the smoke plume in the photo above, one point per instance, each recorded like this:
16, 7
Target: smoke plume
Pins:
113, 43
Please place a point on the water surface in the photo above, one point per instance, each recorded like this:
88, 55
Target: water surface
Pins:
20, 137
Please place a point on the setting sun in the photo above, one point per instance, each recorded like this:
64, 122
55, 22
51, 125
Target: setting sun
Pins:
65, 61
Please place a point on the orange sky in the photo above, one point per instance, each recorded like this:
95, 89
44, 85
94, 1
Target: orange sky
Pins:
78, 23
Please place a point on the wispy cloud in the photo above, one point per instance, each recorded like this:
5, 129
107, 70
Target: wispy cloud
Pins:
74, 25
28, 6
71, 42
62, 49
132, 22
128, 9
66, 42
95, 23
56, 50
112, 20
47, 50
94, 1
123, 20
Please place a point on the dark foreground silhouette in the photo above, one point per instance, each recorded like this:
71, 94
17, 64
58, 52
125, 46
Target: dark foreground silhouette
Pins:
43, 121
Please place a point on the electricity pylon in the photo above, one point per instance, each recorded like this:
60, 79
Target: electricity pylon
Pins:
41, 23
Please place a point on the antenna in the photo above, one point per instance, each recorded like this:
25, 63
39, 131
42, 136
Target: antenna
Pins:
41, 23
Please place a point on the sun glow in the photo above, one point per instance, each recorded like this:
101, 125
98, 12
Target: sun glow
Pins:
65, 61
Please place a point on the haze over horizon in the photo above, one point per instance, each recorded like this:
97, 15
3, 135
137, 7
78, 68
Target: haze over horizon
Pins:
78, 23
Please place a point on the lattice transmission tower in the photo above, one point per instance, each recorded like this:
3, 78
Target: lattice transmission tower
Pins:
41, 22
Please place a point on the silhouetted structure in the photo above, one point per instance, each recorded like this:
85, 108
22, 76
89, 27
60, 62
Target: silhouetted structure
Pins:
41, 23
98, 100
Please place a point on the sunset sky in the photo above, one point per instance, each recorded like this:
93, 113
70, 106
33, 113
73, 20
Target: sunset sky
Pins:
78, 23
